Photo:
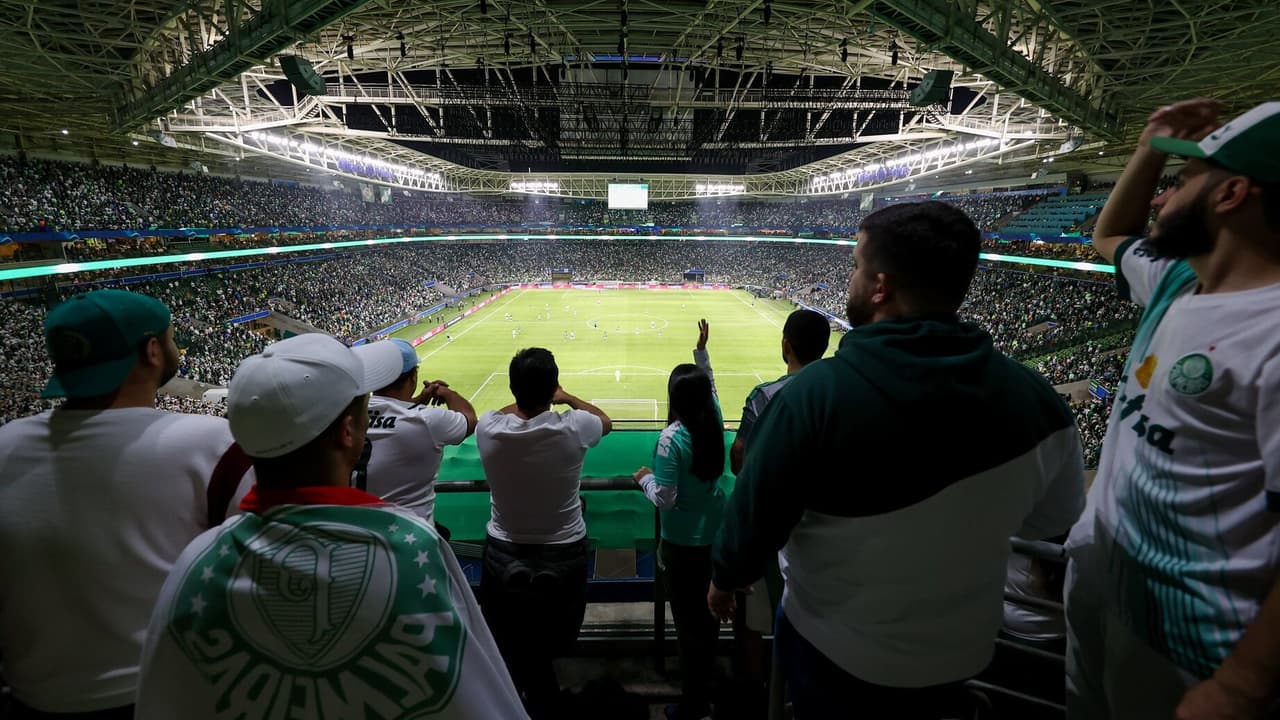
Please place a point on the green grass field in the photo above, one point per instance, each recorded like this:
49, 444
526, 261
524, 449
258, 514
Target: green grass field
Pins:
649, 332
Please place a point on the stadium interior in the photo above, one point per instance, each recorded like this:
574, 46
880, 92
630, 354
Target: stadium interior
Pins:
371, 169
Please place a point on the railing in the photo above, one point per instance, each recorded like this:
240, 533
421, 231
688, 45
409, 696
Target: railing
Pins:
1044, 551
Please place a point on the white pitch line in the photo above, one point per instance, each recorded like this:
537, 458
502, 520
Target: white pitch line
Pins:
470, 327
663, 373
476, 394
775, 323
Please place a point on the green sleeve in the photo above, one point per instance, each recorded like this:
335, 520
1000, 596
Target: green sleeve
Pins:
666, 459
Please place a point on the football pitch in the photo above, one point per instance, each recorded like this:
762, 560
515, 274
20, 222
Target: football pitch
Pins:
624, 345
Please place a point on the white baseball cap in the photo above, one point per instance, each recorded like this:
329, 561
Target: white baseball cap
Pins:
284, 398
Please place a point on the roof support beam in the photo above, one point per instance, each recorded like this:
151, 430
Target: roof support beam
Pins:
278, 25
937, 24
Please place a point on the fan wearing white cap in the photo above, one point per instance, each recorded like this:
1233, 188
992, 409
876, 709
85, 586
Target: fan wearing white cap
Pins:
1173, 592
409, 435
319, 598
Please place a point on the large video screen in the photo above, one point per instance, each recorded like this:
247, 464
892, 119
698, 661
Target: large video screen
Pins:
628, 196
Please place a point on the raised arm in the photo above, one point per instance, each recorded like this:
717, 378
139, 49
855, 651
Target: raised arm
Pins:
438, 392
1129, 206
563, 398
700, 356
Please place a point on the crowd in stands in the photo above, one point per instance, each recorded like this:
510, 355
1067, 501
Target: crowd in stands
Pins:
39, 195
190, 406
1102, 360
26, 363
1031, 313
1039, 249
1091, 419
354, 294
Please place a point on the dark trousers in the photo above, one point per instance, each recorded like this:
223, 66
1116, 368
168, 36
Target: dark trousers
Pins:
686, 575
819, 688
533, 598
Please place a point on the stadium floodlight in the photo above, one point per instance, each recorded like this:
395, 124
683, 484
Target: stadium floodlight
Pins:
718, 189
535, 187
899, 167
346, 161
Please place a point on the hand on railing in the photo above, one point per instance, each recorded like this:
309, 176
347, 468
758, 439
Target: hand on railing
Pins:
640, 474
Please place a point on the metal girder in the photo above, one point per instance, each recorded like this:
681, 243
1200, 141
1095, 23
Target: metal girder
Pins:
938, 24
276, 26
573, 94
65, 61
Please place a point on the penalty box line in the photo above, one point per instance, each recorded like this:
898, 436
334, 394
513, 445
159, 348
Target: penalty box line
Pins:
647, 402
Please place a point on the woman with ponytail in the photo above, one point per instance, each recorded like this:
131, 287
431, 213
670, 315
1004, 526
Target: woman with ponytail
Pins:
685, 485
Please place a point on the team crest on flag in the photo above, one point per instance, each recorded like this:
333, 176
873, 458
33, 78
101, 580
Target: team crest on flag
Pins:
1191, 374
334, 607
302, 596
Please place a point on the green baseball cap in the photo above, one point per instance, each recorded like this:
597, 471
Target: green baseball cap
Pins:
94, 338
1249, 144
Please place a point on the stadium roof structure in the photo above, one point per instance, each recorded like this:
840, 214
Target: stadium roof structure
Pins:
558, 97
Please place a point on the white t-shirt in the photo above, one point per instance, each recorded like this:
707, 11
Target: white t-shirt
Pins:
1183, 512
408, 443
321, 611
534, 469
96, 507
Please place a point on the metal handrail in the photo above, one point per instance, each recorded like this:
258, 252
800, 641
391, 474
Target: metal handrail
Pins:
1038, 549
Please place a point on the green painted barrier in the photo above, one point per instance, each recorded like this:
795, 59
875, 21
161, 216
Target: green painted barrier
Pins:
615, 518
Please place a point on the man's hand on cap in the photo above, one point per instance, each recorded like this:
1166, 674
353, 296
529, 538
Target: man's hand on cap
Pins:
1185, 120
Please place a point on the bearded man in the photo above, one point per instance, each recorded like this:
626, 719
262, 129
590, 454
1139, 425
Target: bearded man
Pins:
1171, 606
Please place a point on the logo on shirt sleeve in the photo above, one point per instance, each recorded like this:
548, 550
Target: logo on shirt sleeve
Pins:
1191, 374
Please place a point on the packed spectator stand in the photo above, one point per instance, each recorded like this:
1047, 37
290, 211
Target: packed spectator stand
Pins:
39, 195
1053, 318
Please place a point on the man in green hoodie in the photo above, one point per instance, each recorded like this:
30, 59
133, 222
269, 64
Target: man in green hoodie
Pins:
891, 477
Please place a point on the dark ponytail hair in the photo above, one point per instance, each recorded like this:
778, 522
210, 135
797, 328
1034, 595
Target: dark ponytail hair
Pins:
690, 400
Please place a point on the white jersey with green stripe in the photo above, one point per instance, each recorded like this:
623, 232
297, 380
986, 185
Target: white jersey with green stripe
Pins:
1183, 511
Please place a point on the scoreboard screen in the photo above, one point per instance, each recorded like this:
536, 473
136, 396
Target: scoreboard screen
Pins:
628, 196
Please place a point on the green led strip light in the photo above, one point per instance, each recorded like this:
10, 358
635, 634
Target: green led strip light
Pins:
65, 268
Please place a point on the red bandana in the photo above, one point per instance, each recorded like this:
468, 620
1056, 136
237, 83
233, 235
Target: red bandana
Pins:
260, 500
